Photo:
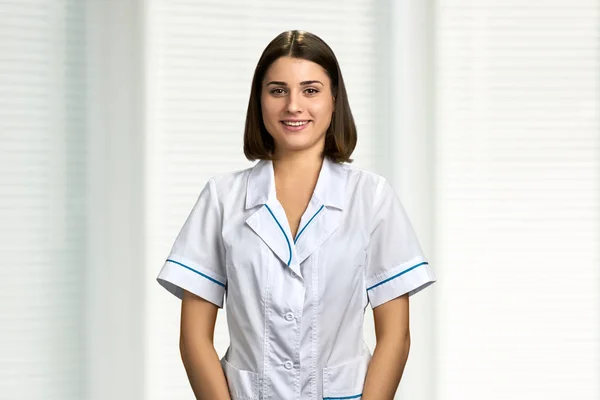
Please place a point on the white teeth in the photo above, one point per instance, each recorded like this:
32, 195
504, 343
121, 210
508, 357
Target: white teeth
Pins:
295, 123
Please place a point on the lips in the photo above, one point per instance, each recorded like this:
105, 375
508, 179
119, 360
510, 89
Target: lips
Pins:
294, 126
288, 122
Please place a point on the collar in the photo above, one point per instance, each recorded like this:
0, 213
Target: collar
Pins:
330, 189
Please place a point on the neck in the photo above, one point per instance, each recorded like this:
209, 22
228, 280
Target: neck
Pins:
298, 164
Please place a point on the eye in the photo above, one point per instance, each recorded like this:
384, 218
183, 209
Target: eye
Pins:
277, 91
312, 91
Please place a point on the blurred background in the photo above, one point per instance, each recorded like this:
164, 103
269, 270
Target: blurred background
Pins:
485, 116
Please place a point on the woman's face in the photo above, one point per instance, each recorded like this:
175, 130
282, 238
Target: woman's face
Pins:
297, 104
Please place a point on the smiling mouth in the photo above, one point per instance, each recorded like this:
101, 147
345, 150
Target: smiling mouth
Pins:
295, 123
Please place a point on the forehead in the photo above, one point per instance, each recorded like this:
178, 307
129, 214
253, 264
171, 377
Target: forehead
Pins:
294, 70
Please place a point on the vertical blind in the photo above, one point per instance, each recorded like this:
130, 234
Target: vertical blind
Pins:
518, 212
200, 59
41, 206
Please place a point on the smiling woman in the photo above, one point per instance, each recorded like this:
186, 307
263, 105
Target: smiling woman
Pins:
299, 245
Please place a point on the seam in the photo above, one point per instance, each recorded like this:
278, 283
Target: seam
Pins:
266, 348
213, 188
372, 225
376, 199
315, 341
298, 371
198, 272
398, 275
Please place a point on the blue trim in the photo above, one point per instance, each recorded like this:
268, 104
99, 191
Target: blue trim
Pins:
356, 396
397, 275
302, 230
198, 272
284, 235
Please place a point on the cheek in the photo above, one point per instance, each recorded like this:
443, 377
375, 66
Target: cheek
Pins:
322, 111
270, 110
323, 105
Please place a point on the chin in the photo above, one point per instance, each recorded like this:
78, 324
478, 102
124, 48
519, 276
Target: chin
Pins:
299, 146
298, 141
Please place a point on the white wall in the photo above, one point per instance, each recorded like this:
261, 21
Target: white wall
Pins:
518, 198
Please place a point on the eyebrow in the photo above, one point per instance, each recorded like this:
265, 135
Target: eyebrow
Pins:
303, 83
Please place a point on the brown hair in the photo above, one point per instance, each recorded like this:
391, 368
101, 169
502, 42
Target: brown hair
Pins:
340, 139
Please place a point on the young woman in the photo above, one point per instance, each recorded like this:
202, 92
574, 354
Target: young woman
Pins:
298, 245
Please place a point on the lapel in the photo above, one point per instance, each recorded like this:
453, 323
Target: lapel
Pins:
325, 210
320, 219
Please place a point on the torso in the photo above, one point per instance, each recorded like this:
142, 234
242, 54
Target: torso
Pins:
296, 290
279, 281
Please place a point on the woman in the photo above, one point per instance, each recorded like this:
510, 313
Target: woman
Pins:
299, 244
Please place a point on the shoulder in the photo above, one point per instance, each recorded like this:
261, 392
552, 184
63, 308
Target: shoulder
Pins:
230, 181
229, 188
365, 182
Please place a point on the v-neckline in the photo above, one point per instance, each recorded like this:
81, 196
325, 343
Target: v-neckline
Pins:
302, 222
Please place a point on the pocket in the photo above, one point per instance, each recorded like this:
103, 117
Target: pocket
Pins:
345, 381
243, 385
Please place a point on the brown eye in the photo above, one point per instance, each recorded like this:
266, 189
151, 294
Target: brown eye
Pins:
277, 91
312, 91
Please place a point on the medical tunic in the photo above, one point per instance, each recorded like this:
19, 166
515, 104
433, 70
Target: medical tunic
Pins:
295, 306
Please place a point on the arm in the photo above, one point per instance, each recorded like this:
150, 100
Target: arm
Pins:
391, 352
198, 354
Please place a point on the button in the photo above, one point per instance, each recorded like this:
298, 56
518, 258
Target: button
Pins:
289, 316
288, 365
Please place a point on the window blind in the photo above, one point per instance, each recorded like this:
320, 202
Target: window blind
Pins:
42, 202
517, 213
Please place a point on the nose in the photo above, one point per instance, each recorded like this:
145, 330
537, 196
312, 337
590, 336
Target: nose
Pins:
294, 103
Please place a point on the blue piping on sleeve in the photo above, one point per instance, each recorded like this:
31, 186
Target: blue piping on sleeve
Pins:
397, 275
198, 272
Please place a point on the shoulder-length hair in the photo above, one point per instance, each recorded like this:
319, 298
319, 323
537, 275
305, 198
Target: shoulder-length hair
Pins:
340, 139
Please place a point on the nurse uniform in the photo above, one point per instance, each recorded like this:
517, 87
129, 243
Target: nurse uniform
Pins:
295, 306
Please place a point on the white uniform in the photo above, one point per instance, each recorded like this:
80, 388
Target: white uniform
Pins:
295, 307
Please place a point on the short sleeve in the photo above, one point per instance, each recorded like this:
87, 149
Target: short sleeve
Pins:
396, 264
195, 262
